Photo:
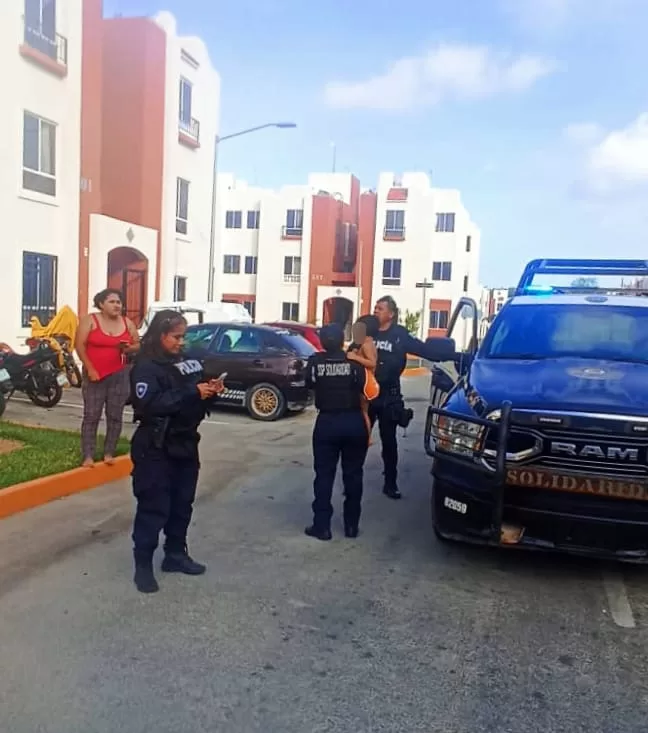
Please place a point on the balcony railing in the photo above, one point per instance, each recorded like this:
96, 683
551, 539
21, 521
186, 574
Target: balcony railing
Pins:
291, 232
45, 46
189, 132
292, 278
394, 234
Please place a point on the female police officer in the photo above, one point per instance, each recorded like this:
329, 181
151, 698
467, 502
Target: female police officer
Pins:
169, 397
393, 344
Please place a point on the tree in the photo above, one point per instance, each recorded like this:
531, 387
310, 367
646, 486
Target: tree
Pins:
412, 322
584, 282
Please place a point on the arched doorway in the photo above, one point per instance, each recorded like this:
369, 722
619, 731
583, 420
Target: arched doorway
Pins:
128, 272
339, 310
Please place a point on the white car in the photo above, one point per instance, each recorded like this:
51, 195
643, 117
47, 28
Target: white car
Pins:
197, 313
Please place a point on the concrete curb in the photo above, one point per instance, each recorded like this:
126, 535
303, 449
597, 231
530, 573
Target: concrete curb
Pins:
415, 372
40, 491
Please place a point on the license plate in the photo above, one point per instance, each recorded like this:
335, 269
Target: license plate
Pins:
530, 478
454, 505
4, 375
62, 380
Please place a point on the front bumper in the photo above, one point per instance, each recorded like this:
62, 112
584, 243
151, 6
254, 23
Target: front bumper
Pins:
473, 503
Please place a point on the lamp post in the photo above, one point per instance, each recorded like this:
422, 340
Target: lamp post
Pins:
212, 231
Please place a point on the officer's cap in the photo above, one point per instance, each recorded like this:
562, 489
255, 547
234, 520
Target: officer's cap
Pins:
332, 337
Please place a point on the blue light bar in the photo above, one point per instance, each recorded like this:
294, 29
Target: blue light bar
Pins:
584, 268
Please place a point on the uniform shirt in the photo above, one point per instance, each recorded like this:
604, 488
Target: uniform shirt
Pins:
338, 383
393, 346
167, 388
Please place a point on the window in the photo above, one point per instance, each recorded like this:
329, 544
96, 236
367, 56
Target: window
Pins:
391, 272
442, 271
395, 221
290, 311
40, 275
445, 223
232, 264
250, 307
199, 336
438, 319
233, 219
238, 340
39, 155
186, 90
468, 243
40, 26
250, 265
253, 219
179, 289
292, 269
182, 205
294, 221
465, 287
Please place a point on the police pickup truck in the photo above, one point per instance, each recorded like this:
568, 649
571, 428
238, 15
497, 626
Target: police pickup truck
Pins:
539, 435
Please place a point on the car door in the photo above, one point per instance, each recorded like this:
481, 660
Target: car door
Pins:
462, 328
238, 351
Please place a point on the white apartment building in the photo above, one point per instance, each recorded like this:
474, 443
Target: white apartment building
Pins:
40, 52
424, 236
192, 101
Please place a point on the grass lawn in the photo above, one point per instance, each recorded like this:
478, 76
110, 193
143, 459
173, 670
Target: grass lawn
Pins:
28, 453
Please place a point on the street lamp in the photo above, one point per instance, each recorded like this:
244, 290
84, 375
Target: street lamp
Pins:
212, 231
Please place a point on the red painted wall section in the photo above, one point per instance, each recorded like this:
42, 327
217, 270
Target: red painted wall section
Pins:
133, 96
91, 135
366, 245
325, 215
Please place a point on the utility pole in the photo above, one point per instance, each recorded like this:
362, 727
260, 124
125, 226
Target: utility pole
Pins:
425, 285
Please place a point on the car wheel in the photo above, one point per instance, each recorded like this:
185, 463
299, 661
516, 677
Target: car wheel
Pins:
265, 402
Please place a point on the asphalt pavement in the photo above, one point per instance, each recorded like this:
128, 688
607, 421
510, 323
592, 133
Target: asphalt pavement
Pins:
390, 632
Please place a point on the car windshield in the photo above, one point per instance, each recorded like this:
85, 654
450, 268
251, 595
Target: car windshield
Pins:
582, 330
198, 336
296, 342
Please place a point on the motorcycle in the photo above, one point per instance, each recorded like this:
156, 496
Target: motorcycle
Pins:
36, 374
66, 362
59, 334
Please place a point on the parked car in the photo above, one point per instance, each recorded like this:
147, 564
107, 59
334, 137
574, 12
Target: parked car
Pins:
265, 365
199, 312
307, 330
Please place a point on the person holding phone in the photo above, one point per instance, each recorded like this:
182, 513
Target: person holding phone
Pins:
104, 341
170, 397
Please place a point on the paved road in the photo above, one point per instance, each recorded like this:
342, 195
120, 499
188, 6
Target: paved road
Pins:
391, 632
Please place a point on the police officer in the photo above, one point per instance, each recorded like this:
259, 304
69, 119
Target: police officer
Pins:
170, 397
393, 344
340, 432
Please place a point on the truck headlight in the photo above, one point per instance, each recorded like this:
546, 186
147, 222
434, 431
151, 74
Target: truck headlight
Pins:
457, 436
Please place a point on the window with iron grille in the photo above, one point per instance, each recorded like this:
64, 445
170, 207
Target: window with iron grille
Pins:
391, 272
39, 154
182, 205
442, 271
294, 221
39, 285
250, 265
232, 264
445, 223
186, 93
439, 319
395, 221
233, 219
179, 289
40, 26
253, 219
290, 311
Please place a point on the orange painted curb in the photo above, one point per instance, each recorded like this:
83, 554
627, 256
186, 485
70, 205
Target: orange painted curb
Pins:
39, 491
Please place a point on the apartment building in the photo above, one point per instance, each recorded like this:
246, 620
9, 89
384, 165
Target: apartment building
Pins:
325, 251
40, 51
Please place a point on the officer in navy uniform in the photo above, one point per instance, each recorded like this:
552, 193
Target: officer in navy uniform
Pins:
393, 344
340, 432
170, 398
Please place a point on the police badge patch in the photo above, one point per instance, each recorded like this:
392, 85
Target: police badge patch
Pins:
141, 388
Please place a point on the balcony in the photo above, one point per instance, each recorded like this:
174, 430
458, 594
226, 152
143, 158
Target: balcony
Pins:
46, 48
291, 232
292, 278
189, 133
394, 234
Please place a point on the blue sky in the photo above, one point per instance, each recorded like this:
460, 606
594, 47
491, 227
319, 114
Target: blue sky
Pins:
533, 108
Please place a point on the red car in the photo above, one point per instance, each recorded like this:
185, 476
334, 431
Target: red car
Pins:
307, 330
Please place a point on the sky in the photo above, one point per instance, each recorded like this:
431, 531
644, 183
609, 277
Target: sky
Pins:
537, 110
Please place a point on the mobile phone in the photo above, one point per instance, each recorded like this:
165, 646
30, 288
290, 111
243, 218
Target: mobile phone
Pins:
222, 377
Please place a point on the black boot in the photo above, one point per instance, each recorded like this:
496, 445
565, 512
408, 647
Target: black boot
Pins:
351, 530
144, 579
391, 490
318, 533
181, 562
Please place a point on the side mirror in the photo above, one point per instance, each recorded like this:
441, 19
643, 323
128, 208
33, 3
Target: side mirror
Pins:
440, 349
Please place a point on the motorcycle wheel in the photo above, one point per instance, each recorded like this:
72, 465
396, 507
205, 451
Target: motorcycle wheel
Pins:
49, 398
74, 375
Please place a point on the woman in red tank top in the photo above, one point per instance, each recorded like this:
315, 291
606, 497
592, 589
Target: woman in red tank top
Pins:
104, 340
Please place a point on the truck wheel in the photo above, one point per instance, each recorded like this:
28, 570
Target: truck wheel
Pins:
265, 402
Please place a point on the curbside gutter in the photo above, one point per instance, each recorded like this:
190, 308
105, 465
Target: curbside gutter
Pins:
40, 491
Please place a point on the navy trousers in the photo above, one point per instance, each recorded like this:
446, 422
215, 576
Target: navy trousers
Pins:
381, 410
165, 490
338, 436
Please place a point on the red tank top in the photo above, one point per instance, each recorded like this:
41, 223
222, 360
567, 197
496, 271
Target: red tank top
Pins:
103, 350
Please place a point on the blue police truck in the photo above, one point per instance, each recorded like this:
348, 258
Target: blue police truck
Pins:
539, 435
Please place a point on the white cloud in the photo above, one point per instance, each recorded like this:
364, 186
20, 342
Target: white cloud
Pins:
556, 16
447, 72
620, 159
584, 133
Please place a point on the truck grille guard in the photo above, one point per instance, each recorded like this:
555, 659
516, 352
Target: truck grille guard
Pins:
475, 458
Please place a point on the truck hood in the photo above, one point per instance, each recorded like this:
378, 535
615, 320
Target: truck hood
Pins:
564, 383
